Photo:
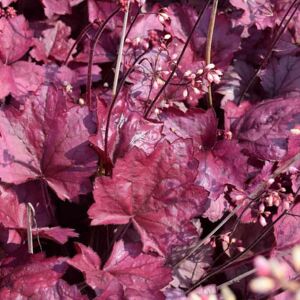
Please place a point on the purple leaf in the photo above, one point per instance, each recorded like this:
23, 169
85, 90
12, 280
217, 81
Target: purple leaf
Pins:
196, 124
15, 38
105, 49
21, 78
127, 267
224, 164
101, 10
150, 21
38, 278
287, 230
264, 129
53, 7
281, 77
126, 130
234, 81
262, 13
7, 80
55, 43
57, 234
56, 150
157, 194
183, 18
234, 112
12, 214
257, 12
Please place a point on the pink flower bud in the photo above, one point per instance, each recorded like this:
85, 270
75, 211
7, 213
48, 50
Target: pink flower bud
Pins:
136, 42
200, 72
296, 257
2, 12
267, 214
210, 77
167, 36
81, 101
163, 17
261, 208
210, 66
228, 135
278, 270
219, 72
187, 73
11, 12
290, 198
216, 78
286, 205
276, 202
240, 197
262, 221
293, 170
269, 200
196, 91
185, 93
262, 266
145, 44
262, 285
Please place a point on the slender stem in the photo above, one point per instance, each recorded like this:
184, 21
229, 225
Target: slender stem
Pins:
81, 35
30, 212
269, 53
120, 52
210, 33
149, 109
91, 57
236, 279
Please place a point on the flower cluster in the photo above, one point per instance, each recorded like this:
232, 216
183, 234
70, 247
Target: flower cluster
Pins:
8, 12
272, 274
197, 83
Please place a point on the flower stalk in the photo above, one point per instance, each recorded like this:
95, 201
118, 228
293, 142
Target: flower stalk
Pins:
120, 52
210, 33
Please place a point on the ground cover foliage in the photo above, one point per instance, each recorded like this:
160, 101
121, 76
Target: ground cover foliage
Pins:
182, 177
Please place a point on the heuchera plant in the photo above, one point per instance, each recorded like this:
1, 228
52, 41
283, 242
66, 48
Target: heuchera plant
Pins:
149, 149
